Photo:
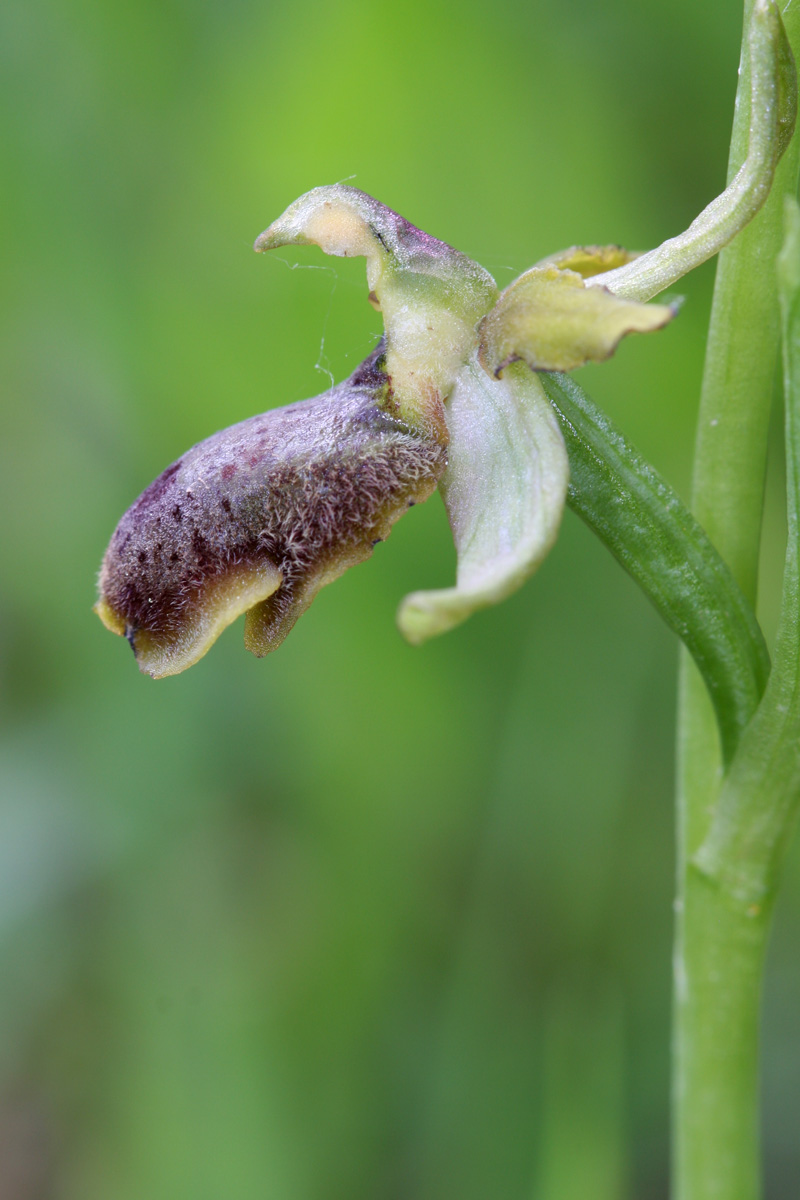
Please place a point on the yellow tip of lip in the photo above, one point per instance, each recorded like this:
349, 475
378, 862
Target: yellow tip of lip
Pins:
112, 620
168, 653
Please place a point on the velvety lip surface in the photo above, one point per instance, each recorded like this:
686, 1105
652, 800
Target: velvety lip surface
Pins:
261, 514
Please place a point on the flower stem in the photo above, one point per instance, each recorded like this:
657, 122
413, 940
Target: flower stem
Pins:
759, 799
770, 80
721, 933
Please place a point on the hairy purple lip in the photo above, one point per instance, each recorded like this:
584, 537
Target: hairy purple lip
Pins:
260, 516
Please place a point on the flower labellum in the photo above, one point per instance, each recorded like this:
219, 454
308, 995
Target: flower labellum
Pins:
258, 518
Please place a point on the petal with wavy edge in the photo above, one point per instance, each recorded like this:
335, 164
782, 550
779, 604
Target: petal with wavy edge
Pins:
504, 490
551, 320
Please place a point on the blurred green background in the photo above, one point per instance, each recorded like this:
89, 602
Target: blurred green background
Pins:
358, 921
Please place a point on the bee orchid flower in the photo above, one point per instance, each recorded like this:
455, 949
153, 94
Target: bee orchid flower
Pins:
257, 518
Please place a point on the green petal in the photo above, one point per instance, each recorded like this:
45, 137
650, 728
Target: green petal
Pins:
504, 490
554, 322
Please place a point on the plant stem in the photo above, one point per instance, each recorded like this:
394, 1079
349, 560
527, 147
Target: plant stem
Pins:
721, 936
759, 799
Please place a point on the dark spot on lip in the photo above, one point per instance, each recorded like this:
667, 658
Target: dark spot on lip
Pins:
203, 552
376, 541
411, 503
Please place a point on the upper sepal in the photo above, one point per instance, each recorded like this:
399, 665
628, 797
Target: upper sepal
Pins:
431, 296
346, 222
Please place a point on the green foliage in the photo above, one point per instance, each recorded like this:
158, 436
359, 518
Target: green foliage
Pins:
308, 927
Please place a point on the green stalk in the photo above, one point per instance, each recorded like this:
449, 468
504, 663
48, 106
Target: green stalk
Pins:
721, 935
759, 799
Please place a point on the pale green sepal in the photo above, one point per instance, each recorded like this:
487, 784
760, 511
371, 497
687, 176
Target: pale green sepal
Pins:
504, 490
550, 319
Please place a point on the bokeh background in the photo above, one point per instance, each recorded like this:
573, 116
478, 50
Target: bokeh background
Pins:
357, 921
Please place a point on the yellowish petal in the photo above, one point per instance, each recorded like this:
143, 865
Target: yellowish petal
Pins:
551, 320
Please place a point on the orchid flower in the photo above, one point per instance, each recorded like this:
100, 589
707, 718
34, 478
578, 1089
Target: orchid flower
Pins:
257, 518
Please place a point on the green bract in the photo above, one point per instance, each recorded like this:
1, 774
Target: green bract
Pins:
258, 518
